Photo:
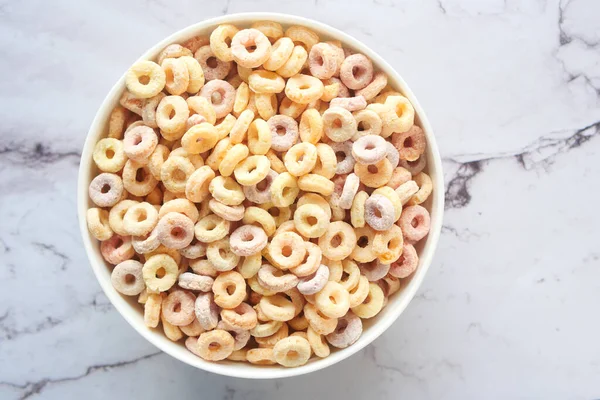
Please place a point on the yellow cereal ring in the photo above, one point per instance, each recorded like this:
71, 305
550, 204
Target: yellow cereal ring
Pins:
160, 272
311, 126
363, 251
372, 304
338, 241
199, 138
311, 220
211, 228
196, 187
218, 41
266, 104
284, 189
239, 129
294, 63
303, 89
234, 156
259, 137
300, 159
252, 170
196, 75
316, 183
292, 351
388, 245
97, 223
175, 172
219, 152
226, 190
280, 53
270, 29
291, 109
201, 106
242, 96
303, 36
425, 188
326, 163
261, 81
109, 155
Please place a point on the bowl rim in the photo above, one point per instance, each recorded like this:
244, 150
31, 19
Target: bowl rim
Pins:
243, 370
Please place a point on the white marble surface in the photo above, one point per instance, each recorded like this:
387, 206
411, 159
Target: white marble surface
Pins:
510, 306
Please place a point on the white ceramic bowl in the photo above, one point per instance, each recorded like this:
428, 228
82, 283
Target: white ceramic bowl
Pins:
129, 308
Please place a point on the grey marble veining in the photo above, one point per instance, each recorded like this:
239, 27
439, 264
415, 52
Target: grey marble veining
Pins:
509, 307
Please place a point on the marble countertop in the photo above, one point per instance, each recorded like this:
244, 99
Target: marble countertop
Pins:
509, 308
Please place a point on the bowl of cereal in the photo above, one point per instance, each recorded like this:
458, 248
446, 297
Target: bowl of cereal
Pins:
260, 195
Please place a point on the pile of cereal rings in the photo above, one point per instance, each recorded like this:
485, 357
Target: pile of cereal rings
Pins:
260, 192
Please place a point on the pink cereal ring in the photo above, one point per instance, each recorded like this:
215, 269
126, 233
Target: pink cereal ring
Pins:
250, 38
274, 279
221, 95
345, 159
191, 281
349, 191
349, 103
212, 67
369, 149
322, 61
228, 213
247, 240
379, 212
139, 143
175, 230
374, 270
240, 336
406, 264
178, 308
261, 192
194, 119
314, 282
347, 331
194, 250
356, 71
117, 249
414, 223
284, 132
147, 243
207, 311
392, 154
106, 189
414, 167
127, 278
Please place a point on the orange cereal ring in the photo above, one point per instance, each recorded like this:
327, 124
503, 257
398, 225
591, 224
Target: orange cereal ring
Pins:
177, 75
287, 250
117, 249
374, 175
425, 187
294, 63
280, 53
215, 345
410, 144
